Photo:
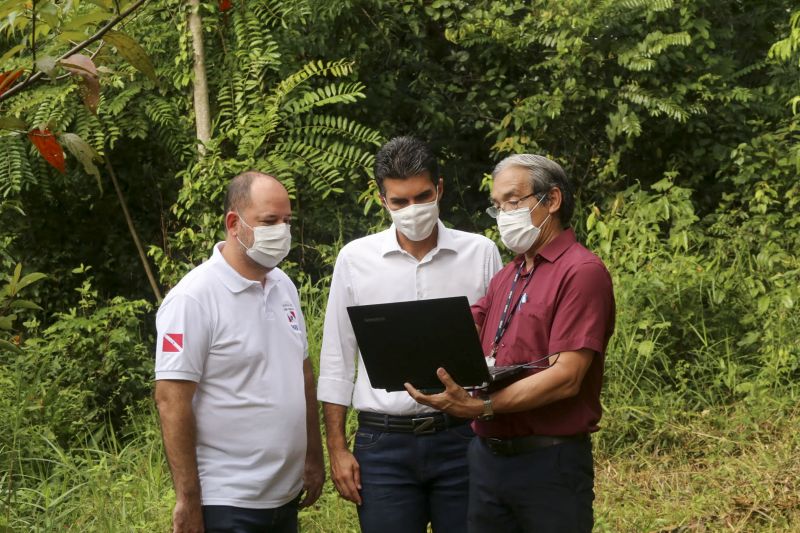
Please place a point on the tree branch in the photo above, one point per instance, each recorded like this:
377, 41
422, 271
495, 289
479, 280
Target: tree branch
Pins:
38, 75
132, 228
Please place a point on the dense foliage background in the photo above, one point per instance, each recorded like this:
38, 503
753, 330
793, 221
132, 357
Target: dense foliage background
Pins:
675, 118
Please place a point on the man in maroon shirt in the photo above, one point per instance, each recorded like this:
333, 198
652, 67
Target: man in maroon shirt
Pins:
552, 308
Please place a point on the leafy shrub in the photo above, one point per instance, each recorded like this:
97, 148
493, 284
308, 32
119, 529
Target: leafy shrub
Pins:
84, 369
704, 307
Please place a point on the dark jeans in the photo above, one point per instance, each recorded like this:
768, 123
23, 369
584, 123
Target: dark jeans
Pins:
411, 480
547, 490
227, 519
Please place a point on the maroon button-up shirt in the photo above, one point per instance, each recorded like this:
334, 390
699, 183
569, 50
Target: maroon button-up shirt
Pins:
568, 305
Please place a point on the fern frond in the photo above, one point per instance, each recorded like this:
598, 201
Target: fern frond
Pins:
342, 93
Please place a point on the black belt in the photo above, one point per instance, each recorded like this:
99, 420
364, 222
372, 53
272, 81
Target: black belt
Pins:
422, 424
520, 445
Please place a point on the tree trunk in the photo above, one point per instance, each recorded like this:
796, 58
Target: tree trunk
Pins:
202, 114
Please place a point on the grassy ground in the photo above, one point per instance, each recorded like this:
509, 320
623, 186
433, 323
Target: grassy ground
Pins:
734, 469
724, 470
731, 469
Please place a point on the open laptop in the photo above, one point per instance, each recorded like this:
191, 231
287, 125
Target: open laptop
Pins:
408, 341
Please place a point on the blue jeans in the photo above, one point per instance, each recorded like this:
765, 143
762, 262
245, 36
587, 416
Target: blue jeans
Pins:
408, 481
547, 490
227, 519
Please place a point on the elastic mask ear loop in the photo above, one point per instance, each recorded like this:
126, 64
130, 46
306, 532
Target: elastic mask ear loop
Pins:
251, 229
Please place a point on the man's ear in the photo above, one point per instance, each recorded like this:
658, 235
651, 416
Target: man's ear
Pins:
231, 223
553, 200
440, 189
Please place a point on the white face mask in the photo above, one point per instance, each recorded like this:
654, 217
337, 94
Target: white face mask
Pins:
417, 221
517, 230
270, 243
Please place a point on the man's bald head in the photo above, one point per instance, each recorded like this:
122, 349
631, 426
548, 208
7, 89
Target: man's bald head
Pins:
239, 193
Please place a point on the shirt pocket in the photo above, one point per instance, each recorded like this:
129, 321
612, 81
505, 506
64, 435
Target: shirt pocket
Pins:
529, 332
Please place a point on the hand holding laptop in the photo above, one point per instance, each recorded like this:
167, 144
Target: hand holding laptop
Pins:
455, 400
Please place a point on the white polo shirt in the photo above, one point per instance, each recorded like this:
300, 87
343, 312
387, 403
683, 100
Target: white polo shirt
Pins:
374, 269
244, 345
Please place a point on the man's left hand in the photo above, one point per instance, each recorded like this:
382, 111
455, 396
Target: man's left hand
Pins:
454, 401
313, 479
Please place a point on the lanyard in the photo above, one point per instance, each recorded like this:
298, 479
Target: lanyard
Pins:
508, 310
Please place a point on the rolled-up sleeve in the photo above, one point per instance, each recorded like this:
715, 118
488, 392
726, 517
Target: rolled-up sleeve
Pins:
339, 347
584, 317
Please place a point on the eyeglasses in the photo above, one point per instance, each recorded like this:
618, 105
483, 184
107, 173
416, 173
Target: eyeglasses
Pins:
509, 205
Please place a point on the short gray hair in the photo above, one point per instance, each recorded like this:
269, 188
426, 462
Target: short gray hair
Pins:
544, 174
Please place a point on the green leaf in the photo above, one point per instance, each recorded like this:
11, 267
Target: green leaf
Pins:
6, 322
12, 123
84, 153
90, 19
646, 348
24, 304
47, 65
11, 52
68, 36
15, 277
51, 19
763, 305
132, 52
33, 277
8, 346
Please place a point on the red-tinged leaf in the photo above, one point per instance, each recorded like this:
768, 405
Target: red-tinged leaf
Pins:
90, 92
48, 146
80, 64
8, 78
225, 5
84, 68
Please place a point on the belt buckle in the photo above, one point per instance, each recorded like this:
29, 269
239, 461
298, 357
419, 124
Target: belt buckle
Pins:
424, 425
500, 446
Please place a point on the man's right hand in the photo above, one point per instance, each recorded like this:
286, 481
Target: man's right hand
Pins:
346, 474
187, 517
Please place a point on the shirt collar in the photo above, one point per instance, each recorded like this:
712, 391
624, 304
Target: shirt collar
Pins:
553, 250
444, 240
234, 281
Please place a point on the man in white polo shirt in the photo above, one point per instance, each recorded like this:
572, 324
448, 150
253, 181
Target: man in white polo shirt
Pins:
409, 466
234, 387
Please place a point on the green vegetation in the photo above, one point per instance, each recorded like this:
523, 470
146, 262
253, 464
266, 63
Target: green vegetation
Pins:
676, 119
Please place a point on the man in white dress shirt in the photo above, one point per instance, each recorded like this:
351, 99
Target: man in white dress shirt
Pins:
408, 467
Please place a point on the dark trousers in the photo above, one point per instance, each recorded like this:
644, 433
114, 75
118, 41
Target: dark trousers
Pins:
411, 480
547, 490
227, 519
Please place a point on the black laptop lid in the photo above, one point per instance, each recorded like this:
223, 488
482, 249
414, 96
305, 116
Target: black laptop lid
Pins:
407, 341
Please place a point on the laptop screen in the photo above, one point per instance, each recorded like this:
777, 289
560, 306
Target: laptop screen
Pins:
408, 341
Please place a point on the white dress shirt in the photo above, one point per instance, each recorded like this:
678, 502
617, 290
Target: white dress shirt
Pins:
374, 269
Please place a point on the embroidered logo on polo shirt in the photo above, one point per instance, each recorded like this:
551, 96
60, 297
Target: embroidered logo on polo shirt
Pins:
291, 316
172, 342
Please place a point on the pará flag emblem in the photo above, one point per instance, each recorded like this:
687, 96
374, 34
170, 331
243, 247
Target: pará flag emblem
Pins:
172, 342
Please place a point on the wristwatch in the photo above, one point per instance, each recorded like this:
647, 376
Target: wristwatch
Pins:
488, 409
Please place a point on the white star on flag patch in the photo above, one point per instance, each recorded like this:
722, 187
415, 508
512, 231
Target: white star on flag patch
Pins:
172, 342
